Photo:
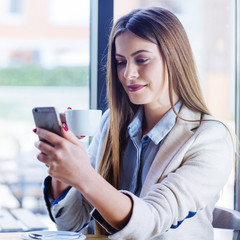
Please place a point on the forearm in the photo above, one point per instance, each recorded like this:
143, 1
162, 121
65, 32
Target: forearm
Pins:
114, 206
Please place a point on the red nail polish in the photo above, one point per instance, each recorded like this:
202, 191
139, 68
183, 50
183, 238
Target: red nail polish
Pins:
65, 127
69, 108
34, 130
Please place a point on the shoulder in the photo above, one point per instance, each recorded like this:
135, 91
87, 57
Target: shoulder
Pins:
214, 137
198, 122
210, 124
205, 128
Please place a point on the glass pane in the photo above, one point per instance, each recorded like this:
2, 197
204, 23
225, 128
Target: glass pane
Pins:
44, 61
212, 39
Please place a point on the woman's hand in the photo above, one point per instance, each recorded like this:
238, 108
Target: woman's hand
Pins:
69, 164
63, 120
67, 159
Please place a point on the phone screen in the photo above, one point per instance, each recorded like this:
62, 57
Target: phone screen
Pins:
47, 118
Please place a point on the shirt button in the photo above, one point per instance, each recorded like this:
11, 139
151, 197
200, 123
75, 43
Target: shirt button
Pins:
145, 138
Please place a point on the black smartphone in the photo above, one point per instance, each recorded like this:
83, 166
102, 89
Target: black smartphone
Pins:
47, 118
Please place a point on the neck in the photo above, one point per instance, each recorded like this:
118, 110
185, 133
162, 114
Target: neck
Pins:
152, 115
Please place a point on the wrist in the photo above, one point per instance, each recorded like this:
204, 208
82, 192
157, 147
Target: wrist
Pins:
86, 182
57, 188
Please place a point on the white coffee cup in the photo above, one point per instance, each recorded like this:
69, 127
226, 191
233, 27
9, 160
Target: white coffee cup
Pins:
83, 122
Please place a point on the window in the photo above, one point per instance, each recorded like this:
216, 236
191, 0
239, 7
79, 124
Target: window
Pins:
69, 12
13, 12
15, 6
41, 64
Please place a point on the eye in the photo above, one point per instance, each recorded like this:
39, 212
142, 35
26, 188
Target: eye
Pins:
120, 62
142, 60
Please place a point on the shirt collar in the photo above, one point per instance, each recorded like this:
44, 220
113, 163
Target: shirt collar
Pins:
160, 130
135, 127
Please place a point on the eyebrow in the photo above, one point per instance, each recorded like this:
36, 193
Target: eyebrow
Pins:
133, 54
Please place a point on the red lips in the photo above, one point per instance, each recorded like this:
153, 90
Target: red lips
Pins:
134, 88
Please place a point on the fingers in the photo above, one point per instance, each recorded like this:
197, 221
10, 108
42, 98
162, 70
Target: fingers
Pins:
45, 150
54, 139
71, 137
43, 158
62, 117
50, 137
67, 134
50, 155
80, 137
48, 150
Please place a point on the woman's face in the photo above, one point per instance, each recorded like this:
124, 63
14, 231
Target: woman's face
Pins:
141, 70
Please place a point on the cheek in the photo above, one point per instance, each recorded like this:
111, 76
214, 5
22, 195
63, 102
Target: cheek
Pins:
156, 77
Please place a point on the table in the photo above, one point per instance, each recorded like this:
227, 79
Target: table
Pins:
17, 236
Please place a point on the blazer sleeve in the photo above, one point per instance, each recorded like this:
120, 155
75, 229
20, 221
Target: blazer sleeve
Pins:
206, 163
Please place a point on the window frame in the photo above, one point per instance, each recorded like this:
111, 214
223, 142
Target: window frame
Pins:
237, 105
101, 20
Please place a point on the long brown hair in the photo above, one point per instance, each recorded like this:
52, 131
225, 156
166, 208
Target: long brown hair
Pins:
163, 28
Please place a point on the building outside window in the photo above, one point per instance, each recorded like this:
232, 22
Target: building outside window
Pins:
44, 61
15, 6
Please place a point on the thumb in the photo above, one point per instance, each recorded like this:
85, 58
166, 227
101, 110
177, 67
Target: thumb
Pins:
67, 134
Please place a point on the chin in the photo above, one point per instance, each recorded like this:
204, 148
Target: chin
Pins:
138, 101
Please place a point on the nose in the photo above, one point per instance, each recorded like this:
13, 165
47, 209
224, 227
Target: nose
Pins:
131, 71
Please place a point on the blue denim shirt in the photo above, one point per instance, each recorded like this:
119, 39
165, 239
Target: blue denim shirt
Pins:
141, 151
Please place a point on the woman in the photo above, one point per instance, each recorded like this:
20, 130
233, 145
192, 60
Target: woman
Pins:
161, 159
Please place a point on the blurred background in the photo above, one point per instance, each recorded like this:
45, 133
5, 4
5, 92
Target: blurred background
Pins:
44, 61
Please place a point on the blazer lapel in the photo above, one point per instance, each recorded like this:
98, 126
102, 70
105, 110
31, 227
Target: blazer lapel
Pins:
178, 136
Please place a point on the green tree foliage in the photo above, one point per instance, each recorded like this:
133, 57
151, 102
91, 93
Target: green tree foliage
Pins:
39, 76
